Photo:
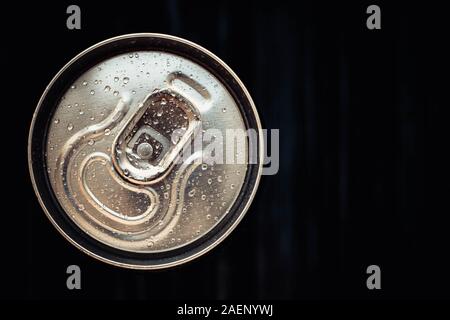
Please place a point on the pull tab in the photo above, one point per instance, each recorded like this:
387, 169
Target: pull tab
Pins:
151, 141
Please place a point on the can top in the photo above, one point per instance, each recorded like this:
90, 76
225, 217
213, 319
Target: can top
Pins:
120, 152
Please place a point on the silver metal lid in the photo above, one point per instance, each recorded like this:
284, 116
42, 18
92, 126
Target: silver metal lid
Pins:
112, 151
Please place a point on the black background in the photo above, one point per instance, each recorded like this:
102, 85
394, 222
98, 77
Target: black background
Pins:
362, 137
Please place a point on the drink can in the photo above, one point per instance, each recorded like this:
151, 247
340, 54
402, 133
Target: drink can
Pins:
145, 151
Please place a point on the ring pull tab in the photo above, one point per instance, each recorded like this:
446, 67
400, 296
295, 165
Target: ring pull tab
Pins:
151, 142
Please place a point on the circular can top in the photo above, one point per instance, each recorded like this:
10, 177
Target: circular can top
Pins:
145, 151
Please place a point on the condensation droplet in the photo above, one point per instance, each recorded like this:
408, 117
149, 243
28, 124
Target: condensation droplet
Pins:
92, 92
116, 93
56, 121
107, 88
70, 126
107, 132
84, 83
91, 142
126, 80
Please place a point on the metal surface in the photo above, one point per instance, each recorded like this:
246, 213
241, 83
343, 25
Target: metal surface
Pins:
118, 173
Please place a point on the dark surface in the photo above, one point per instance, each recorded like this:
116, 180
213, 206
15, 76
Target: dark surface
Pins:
362, 136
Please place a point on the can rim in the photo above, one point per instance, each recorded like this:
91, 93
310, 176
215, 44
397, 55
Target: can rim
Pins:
248, 200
